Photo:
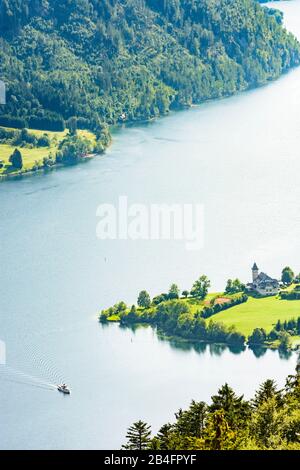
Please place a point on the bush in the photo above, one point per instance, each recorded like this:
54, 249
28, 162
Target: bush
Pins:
216, 308
44, 141
9, 121
285, 341
292, 295
291, 326
118, 309
6, 134
132, 315
236, 339
72, 149
258, 336
273, 335
50, 123
48, 162
16, 159
24, 138
159, 299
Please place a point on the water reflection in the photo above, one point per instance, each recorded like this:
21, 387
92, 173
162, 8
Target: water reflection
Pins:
283, 354
201, 347
258, 350
215, 349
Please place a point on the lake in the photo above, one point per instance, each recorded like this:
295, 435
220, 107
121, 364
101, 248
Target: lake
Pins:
239, 158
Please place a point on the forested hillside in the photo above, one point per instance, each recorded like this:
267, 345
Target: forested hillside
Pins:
110, 60
270, 421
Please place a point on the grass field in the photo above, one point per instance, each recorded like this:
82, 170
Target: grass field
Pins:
35, 155
259, 313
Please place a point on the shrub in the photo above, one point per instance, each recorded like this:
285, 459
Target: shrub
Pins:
72, 149
292, 295
10, 121
16, 159
216, 308
273, 335
258, 336
285, 341
44, 141
159, 299
47, 123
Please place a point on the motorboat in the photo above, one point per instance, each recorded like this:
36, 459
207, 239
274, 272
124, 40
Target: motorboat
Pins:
63, 388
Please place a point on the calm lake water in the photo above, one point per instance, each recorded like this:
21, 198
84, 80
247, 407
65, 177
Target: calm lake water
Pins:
239, 158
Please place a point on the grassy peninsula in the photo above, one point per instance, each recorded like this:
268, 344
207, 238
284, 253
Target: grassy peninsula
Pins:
26, 151
236, 316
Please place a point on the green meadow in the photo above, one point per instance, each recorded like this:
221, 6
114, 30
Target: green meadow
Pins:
34, 156
259, 313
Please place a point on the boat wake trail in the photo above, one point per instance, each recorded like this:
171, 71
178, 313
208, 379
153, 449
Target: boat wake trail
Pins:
12, 375
34, 360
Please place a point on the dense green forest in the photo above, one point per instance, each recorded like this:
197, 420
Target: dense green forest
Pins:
270, 421
118, 60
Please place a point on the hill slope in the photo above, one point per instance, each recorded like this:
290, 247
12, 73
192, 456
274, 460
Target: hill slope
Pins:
102, 59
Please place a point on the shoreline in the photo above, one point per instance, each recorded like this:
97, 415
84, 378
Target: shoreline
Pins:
40, 171
38, 159
272, 345
244, 320
137, 122
268, 345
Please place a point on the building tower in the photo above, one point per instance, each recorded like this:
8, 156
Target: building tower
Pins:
255, 272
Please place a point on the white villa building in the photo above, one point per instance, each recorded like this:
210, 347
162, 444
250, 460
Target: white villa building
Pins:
262, 283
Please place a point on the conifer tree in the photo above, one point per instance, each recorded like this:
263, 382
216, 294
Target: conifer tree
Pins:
138, 436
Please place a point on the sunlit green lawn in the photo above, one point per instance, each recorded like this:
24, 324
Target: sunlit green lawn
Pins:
259, 313
35, 155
